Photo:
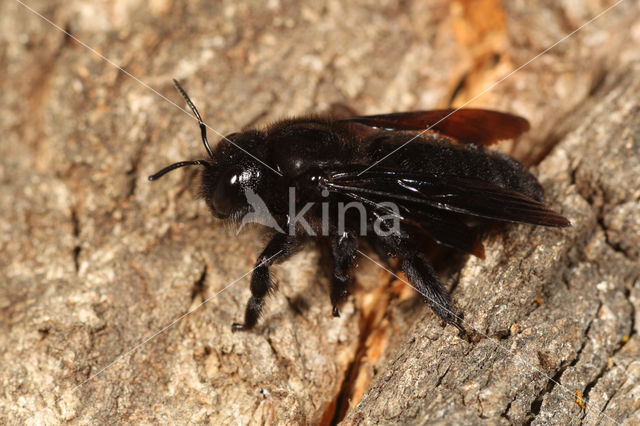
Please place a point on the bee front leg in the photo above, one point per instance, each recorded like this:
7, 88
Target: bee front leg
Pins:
278, 249
344, 249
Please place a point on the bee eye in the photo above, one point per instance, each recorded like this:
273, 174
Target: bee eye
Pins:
228, 195
227, 192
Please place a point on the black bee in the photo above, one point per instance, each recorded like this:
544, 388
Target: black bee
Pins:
344, 179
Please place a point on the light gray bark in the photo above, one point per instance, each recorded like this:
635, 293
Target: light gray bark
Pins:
96, 260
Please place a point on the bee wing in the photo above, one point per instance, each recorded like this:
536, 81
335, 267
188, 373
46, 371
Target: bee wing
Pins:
466, 196
441, 226
447, 229
479, 126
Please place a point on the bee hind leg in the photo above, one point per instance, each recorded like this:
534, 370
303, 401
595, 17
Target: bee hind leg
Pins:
426, 282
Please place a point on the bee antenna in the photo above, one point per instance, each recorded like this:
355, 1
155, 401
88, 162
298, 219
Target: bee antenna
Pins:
174, 166
203, 127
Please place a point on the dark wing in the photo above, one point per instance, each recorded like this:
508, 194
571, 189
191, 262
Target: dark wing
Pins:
444, 227
447, 229
439, 204
480, 126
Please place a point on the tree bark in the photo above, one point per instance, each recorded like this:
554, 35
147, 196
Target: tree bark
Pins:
118, 295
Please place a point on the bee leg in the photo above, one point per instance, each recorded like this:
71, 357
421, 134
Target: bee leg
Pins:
344, 248
279, 248
384, 255
426, 282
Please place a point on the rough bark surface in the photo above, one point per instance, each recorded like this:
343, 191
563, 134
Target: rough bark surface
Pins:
104, 275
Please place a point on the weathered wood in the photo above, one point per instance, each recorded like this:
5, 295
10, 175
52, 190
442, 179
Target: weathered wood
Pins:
96, 260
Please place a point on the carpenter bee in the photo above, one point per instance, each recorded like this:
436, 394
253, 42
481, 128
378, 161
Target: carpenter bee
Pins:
351, 179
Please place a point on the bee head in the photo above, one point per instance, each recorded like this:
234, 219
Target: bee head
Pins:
229, 172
